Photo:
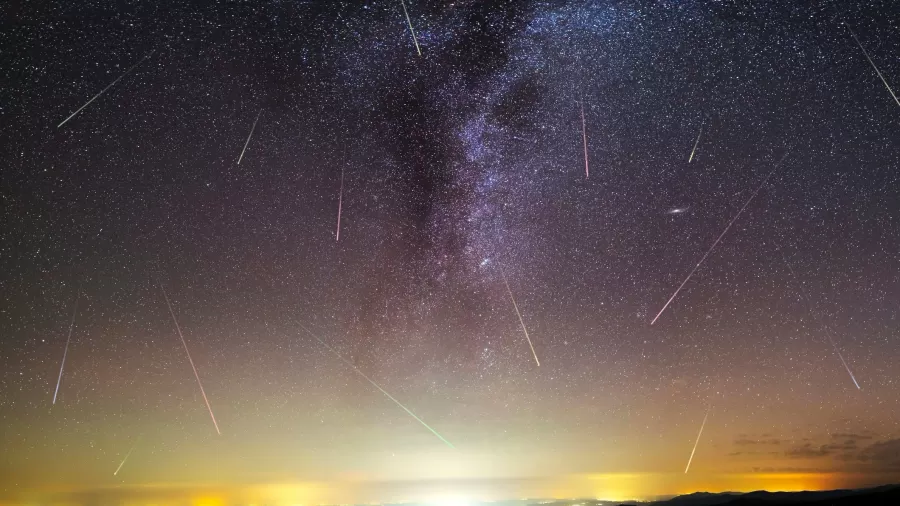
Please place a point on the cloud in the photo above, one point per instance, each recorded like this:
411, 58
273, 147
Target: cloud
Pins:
863, 435
807, 451
880, 456
746, 441
884, 455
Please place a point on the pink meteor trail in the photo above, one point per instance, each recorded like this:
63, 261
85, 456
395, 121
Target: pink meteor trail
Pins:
730, 223
337, 236
183, 342
587, 172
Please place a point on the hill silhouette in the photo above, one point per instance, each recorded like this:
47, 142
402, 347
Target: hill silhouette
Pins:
878, 496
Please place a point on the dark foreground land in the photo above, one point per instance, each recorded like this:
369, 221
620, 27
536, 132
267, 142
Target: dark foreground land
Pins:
886, 495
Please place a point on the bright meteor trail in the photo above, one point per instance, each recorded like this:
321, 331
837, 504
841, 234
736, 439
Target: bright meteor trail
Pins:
389, 396
730, 223
886, 85
178, 328
248, 138
409, 22
516, 307
127, 455
698, 439
587, 172
66, 351
337, 235
110, 85
810, 307
696, 143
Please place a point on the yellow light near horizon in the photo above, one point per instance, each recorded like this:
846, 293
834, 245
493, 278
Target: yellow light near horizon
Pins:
208, 501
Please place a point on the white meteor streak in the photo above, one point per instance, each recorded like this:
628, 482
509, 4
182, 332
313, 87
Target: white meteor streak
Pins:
730, 223
696, 143
127, 455
809, 306
516, 307
183, 342
110, 85
337, 235
587, 172
698, 439
66, 351
248, 138
409, 22
886, 85
389, 396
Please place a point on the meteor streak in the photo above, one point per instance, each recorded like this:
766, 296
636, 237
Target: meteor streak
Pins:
110, 85
409, 22
516, 307
337, 236
249, 137
730, 223
389, 396
810, 307
696, 143
183, 342
66, 351
886, 85
698, 439
587, 172
127, 455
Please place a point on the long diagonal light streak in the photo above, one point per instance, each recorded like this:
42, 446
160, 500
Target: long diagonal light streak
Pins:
521, 321
183, 342
810, 308
386, 394
587, 171
698, 438
413, 32
730, 223
696, 143
886, 85
66, 351
249, 137
110, 85
337, 235
127, 455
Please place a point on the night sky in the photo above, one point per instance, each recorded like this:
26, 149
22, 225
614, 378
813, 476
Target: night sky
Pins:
462, 185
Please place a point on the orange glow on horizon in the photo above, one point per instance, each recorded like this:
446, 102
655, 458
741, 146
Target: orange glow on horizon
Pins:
601, 486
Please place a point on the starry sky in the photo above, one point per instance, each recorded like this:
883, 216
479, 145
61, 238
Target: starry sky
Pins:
215, 166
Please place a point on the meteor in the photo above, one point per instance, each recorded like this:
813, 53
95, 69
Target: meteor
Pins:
696, 143
698, 439
337, 236
886, 85
389, 396
516, 307
409, 22
248, 138
587, 172
110, 85
810, 307
127, 455
730, 223
178, 328
66, 351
